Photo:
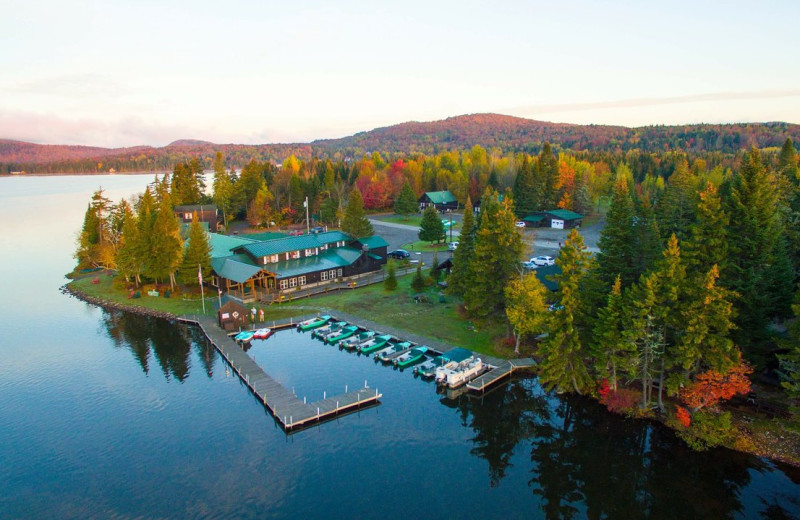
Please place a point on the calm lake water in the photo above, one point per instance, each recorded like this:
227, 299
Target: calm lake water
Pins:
111, 415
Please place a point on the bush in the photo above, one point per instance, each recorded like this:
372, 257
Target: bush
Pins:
390, 283
708, 430
418, 283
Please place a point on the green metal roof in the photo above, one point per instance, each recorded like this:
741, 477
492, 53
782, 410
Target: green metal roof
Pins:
233, 268
533, 218
441, 197
565, 214
266, 235
374, 241
332, 259
283, 245
221, 245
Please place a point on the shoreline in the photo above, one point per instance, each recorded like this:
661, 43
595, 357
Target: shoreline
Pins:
82, 174
768, 445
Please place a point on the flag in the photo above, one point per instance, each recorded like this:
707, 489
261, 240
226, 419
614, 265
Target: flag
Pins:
199, 275
305, 203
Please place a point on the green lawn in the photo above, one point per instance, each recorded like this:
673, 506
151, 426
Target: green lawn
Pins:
411, 220
440, 321
421, 245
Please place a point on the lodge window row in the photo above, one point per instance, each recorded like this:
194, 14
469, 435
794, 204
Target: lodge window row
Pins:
287, 283
295, 255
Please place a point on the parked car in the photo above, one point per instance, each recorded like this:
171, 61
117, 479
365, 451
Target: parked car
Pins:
452, 246
399, 254
529, 266
317, 229
520, 224
543, 260
448, 223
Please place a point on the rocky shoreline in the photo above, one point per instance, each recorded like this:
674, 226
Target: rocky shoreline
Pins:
111, 305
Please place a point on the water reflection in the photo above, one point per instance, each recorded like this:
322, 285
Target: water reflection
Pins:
169, 343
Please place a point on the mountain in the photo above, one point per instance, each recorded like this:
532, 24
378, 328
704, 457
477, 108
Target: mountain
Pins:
507, 133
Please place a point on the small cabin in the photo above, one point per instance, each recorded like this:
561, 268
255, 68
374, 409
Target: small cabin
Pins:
441, 200
207, 213
232, 315
554, 218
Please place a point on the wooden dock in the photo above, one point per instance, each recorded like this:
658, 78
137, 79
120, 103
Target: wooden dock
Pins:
290, 412
501, 370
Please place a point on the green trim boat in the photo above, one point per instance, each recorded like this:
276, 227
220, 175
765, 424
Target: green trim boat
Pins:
328, 330
410, 357
313, 323
386, 355
353, 342
344, 333
374, 344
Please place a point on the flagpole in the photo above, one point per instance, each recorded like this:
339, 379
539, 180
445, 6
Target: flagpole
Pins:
202, 295
308, 226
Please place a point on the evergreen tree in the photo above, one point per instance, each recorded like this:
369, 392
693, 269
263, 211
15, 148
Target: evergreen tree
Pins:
459, 278
406, 202
678, 203
355, 222
613, 355
431, 228
647, 249
144, 234
708, 242
259, 210
196, 171
616, 256
196, 254
548, 173
246, 188
498, 248
434, 272
790, 360
564, 358
129, 265
753, 240
390, 282
787, 162
418, 282
166, 246
524, 190
94, 249
223, 188
526, 306
183, 186
645, 334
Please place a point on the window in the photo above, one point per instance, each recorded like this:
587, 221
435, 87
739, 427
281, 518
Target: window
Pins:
301, 280
295, 254
309, 252
324, 247
323, 275
339, 272
333, 273
292, 282
273, 258
187, 216
283, 284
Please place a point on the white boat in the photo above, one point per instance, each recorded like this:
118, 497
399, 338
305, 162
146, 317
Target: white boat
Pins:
354, 341
460, 374
262, 334
329, 330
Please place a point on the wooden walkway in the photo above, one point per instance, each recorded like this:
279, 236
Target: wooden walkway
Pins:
502, 369
290, 412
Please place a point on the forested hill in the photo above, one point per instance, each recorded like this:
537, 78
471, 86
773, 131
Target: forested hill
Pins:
507, 133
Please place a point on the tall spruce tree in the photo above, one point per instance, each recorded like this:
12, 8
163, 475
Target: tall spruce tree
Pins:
548, 173
355, 222
565, 359
524, 190
222, 188
166, 246
614, 356
787, 162
616, 256
129, 265
708, 241
406, 202
790, 359
196, 254
431, 228
459, 278
678, 203
498, 248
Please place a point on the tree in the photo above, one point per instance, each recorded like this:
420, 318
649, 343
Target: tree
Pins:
259, 210
223, 188
166, 246
712, 386
431, 228
406, 202
185, 188
708, 240
787, 162
434, 272
790, 360
526, 306
94, 248
616, 256
498, 248
613, 355
246, 188
197, 254
355, 222
548, 174
678, 203
418, 282
524, 191
129, 265
390, 282
459, 278
564, 358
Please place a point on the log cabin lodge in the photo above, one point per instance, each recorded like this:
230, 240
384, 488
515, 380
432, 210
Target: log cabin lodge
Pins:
264, 267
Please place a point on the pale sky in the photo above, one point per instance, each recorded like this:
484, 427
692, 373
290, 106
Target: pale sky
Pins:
113, 73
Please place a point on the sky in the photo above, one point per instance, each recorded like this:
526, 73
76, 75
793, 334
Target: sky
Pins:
112, 73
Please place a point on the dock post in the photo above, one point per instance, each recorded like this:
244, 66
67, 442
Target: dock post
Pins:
304, 399
317, 412
324, 395
345, 388
365, 384
337, 406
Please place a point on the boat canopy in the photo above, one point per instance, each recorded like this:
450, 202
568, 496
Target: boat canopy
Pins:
458, 354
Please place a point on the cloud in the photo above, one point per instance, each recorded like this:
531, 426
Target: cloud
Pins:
655, 101
75, 86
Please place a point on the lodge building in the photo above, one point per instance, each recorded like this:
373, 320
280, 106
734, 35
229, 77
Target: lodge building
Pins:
252, 269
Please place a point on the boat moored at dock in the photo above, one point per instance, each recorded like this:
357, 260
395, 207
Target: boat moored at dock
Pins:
353, 342
343, 333
374, 344
392, 351
262, 334
409, 358
329, 330
313, 323
453, 376
244, 336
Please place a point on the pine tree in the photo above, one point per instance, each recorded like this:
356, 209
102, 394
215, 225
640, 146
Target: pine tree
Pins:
524, 191
708, 241
94, 248
355, 222
222, 188
390, 282
498, 248
648, 245
787, 162
166, 246
548, 173
459, 278
526, 307
196, 254
564, 364
142, 252
645, 334
678, 203
259, 210
616, 256
790, 360
434, 272
182, 189
431, 228
418, 282
246, 188
128, 264
406, 202
614, 356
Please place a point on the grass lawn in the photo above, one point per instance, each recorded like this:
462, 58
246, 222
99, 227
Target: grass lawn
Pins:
410, 220
421, 245
440, 321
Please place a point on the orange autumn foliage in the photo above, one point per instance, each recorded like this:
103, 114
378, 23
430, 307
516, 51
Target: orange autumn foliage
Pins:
682, 414
711, 387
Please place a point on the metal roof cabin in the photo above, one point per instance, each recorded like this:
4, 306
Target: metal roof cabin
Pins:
441, 200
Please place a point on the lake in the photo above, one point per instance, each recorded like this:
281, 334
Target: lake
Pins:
113, 415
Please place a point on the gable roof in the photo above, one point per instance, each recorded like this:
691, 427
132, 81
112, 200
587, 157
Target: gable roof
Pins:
234, 268
222, 245
440, 197
331, 259
286, 244
195, 207
533, 218
564, 214
373, 241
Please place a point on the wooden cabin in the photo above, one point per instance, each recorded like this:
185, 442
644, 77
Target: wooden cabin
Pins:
205, 213
232, 315
442, 200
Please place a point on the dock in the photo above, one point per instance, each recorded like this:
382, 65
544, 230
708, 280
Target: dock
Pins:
501, 370
289, 411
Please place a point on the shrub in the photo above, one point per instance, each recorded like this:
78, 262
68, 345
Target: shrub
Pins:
708, 430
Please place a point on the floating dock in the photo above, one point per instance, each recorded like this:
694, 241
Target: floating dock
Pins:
290, 412
501, 370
